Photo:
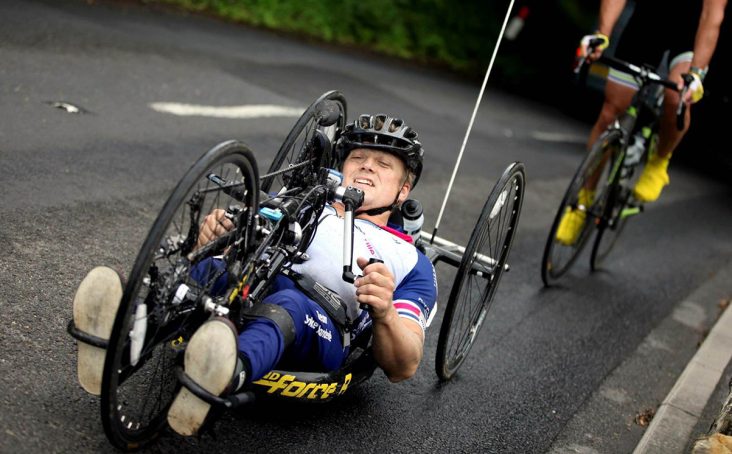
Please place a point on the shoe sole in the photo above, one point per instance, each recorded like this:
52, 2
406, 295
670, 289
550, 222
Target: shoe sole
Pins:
95, 308
210, 362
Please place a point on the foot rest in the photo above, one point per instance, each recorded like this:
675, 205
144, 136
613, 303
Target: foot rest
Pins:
86, 338
232, 401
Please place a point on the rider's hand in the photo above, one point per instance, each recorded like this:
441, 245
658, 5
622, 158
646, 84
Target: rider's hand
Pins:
214, 225
375, 288
695, 92
585, 52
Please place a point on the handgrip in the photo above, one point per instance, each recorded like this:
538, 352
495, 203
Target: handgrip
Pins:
366, 307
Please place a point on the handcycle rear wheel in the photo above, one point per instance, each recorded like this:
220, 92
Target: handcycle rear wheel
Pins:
329, 107
593, 175
136, 393
478, 276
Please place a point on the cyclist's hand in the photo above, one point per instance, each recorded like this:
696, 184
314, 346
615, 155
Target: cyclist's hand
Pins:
591, 46
695, 90
375, 288
214, 225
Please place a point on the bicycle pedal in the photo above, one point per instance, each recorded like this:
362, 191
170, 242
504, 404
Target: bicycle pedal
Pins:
631, 211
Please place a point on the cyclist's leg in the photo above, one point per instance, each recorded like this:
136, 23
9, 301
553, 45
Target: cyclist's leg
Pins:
618, 96
655, 175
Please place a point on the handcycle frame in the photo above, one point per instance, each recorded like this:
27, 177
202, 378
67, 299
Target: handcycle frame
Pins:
272, 231
613, 204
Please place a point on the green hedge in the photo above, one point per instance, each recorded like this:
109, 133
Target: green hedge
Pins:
459, 35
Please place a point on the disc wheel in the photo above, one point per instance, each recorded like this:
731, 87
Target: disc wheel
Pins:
480, 270
154, 320
592, 177
326, 114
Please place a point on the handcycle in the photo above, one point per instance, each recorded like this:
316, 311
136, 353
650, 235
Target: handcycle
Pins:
275, 217
602, 186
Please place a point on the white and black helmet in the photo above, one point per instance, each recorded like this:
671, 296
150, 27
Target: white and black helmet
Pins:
385, 133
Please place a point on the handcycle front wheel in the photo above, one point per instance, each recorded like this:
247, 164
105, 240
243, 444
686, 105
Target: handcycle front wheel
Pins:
480, 270
583, 203
155, 319
326, 114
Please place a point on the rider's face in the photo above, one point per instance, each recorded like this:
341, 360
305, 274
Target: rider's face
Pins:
380, 175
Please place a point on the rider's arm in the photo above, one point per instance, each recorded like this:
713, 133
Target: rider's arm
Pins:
707, 32
214, 225
610, 11
397, 342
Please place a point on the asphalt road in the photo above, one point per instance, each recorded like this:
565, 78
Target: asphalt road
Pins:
82, 189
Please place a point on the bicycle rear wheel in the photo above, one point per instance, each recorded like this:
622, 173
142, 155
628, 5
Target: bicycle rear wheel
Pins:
619, 206
592, 177
480, 270
155, 319
326, 114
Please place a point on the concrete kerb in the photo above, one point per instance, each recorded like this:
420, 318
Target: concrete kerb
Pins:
674, 421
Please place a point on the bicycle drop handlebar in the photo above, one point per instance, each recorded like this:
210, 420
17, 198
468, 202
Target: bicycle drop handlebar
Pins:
643, 74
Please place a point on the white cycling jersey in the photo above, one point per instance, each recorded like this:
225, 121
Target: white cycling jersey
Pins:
415, 296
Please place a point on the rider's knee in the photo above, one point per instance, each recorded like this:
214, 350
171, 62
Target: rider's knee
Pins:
608, 114
276, 314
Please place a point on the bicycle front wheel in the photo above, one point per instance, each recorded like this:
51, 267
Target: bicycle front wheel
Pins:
330, 107
155, 319
582, 204
480, 270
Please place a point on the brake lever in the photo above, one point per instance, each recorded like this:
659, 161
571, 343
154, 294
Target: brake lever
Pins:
583, 67
681, 109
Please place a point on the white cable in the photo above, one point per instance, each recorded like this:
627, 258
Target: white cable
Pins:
472, 118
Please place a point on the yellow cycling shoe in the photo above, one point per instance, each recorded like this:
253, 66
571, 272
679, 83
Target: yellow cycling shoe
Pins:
653, 179
573, 220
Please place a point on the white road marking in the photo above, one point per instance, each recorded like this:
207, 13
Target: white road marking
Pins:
558, 137
246, 111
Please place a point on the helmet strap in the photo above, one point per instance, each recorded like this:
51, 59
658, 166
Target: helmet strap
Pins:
384, 209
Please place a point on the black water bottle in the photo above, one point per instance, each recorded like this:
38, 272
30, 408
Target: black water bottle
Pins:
412, 218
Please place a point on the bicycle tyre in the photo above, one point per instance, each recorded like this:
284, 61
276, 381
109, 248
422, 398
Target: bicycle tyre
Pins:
135, 397
472, 293
300, 135
614, 220
558, 258
607, 235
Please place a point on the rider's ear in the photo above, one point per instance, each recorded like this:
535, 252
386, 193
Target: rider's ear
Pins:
404, 192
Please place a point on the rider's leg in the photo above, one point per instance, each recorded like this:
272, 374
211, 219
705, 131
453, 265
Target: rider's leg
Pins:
655, 174
309, 338
316, 344
94, 308
618, 96
211, 361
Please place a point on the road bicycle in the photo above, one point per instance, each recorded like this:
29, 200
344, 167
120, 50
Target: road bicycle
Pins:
602, 187
275, 217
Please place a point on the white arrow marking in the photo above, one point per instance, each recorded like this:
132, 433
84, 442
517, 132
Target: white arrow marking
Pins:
558, 137
250, 111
